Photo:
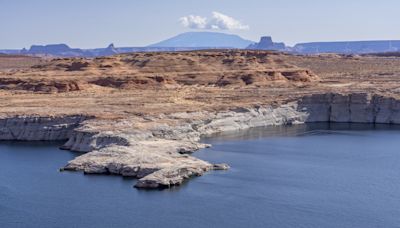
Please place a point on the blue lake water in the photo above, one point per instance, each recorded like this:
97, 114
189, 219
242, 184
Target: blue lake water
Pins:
308, 176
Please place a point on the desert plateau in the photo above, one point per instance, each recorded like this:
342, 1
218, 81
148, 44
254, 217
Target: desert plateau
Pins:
142, 114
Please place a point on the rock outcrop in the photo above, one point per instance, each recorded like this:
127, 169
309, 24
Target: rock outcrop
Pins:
41, 85
266, 43
158, 155
110, 50
36, 128
351, 108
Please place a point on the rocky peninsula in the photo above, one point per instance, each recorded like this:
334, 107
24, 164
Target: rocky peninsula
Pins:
141, 115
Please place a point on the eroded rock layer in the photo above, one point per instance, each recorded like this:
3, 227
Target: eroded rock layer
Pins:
351, 108
166, 69
36, 128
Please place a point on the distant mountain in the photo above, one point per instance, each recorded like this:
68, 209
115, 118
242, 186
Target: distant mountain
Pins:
63, 50
266, 43
211, 40
204, 40
348, 47
54, 50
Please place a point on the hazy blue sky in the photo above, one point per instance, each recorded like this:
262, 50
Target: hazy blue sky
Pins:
96, 23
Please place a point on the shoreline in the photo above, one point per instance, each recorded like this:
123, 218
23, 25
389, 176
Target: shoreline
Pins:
156, 149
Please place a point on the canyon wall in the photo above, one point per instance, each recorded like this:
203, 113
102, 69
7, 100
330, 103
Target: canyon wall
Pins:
350, 108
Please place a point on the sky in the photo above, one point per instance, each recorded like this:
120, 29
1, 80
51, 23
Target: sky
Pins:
97, 23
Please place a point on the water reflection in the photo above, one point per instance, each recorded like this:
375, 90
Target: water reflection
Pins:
297, 130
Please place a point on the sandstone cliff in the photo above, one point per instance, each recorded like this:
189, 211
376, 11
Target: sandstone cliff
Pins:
351, 108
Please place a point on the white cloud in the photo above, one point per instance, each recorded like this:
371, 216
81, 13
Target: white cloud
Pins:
218, 21
194, 22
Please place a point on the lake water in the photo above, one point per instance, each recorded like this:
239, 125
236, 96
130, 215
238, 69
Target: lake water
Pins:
308, 176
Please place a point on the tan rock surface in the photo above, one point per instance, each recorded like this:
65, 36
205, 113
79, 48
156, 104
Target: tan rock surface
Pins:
141, 114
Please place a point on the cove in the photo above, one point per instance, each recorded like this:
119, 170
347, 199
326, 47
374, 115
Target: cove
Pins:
313, 175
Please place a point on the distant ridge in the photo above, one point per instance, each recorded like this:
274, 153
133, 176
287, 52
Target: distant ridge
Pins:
54, 50
348, 47
214, 40
203, 40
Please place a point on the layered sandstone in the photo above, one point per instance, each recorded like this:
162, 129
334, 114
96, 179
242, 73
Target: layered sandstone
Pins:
351, 108
35, 128
166, 69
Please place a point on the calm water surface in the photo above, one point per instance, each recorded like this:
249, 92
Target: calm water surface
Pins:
300, 176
